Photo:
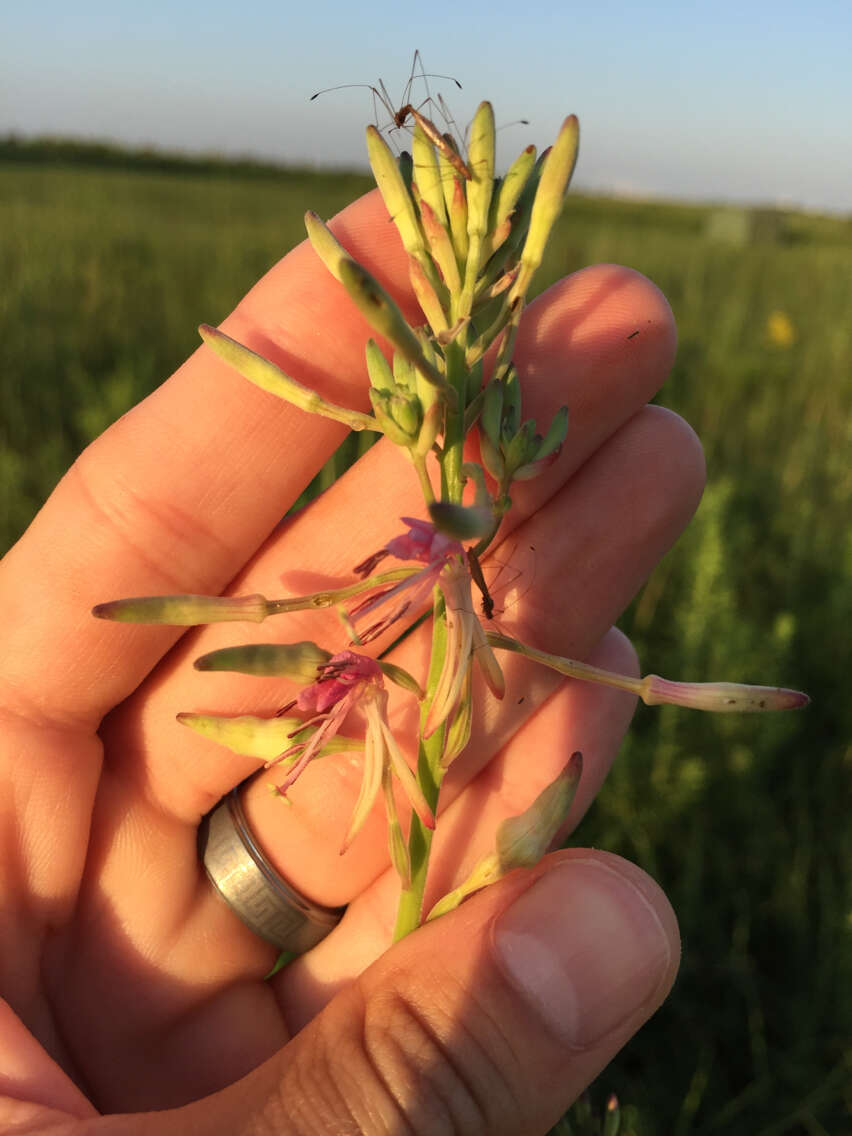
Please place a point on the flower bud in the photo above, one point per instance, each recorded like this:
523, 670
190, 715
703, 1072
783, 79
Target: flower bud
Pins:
480, 188
325, 244
492, 458
184, 611
492, 411
612, 1117
428, 187
545, 450
378, 368
555, 176
248, 735
383, 314
456, 211
427, 297
441, 247
394, 192
296, 661
513, 184
264, 738
268, 377
721, 697
520, 450
404, 372
552, 441
399, 415
521, 840
433, 421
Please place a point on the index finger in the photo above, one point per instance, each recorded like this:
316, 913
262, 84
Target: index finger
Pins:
182, 490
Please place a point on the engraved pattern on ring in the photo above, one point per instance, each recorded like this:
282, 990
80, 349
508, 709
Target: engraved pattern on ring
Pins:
261, 898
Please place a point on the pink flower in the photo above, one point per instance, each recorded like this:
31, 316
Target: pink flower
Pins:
445, 564
348, 680
422, 542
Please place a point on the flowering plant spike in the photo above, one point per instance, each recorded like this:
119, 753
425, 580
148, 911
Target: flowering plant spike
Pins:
474, 243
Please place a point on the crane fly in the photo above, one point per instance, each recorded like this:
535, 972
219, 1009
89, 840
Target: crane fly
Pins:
398, 118
489, 587
435, 137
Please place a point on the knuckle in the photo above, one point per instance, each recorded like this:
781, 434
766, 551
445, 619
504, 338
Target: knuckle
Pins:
164, 537
444, 1072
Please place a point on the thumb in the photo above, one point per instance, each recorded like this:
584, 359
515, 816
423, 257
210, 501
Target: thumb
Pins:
492, 1019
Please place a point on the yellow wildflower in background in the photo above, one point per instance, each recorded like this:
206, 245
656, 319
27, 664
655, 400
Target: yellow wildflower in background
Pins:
779, 328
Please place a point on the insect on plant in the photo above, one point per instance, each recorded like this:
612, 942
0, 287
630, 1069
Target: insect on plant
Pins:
398, 118
502, 579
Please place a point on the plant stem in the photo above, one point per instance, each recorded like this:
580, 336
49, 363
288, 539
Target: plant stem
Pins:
454, 435
423, 476
411, 898
429, 777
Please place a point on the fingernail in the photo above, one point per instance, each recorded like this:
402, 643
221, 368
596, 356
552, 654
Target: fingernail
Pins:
585, 948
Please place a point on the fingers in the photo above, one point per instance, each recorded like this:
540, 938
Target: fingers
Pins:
31, 1080
492, 1019
578, 346
178, 494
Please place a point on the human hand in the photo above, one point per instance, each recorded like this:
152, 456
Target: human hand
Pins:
136, 983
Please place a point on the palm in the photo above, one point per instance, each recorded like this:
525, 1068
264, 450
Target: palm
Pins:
124, 963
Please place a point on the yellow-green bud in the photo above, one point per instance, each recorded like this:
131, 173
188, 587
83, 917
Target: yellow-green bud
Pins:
399, 415
296, 661
382, 313
523, 840
325, 244
184, 611
378, 368
395, 192
264, 738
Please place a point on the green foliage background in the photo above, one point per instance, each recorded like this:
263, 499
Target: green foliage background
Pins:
109, 260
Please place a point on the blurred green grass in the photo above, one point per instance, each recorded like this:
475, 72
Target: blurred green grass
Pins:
110, 261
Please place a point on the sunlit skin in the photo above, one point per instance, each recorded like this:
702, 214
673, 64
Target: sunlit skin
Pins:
121, 960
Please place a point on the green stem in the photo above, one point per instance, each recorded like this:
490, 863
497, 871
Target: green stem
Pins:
423, 476
335, 596
410, 907
429, 777
453, 458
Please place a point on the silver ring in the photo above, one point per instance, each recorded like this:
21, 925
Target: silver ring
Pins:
255, 892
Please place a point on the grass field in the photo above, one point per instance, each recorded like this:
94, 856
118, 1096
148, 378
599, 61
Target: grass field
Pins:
107, 266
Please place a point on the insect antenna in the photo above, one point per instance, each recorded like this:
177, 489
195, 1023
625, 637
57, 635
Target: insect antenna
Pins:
425, 76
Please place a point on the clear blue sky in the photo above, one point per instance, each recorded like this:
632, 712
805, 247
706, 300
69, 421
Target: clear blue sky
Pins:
724, 100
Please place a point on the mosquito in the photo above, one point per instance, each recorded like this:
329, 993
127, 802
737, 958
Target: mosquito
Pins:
399, 117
